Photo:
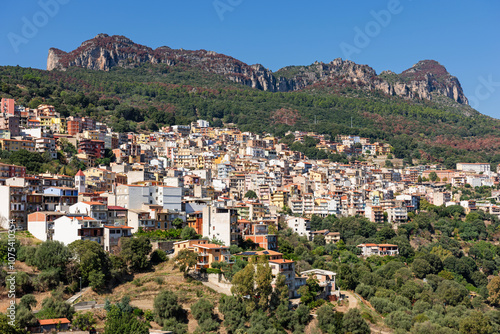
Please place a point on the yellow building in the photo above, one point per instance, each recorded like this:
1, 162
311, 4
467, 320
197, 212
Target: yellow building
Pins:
58, 124
13, 145
318, 177
279, 198
99, 179
91, 134
45, 121
207, 253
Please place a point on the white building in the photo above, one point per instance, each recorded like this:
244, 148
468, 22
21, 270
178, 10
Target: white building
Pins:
95, 210
133, 196
300, 225
220, 223
202, 123
474, 167
70, 228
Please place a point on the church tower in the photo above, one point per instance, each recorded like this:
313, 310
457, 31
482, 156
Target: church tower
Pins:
80, 182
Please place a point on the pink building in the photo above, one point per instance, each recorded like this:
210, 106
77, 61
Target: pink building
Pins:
7, 106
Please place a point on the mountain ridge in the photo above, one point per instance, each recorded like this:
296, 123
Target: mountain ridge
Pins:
425, 80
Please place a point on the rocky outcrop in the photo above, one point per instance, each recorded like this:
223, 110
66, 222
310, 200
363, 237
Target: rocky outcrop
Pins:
424, 80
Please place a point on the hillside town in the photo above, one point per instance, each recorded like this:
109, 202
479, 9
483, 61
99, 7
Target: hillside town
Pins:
229, 186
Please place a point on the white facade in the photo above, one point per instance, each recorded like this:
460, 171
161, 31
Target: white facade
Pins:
220, 223
132, 197
5, 206
474, 167
300, 225
67, 229
95, 210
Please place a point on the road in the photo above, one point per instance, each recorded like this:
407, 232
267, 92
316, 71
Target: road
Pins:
353, 299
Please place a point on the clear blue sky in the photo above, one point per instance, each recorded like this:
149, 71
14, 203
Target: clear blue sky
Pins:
462, 35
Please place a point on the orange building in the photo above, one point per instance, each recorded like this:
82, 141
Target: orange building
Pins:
195, 220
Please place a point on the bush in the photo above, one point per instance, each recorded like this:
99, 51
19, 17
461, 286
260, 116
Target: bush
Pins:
158, 256
383, 305
399, 320
159, 280
213, 271
48, 279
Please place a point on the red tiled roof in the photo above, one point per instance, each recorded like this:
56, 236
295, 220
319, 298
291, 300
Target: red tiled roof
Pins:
53, 321
84, 218
211, 246
116, 208
281, 261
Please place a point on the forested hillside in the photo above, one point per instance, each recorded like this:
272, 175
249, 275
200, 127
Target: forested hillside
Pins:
150, 96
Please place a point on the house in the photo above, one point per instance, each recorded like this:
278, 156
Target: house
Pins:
332, 237
41, 224
48, 325
96, 210
326, 281
378, 249
269, 254
134, 196
140, 219
259, 234
117, 215
300, 225
112, 235
207, 252
287, 269
73, 227
221, 224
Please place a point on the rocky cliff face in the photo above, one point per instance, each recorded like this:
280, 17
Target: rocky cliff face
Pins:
425, 80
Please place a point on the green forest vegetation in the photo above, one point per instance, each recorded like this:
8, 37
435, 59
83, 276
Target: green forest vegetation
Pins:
145, 98
445, 279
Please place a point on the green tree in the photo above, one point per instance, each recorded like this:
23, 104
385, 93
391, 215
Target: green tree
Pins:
52, 254
234, 313
494, 290
186, 259
243, 282
55, 307
451, 292
476, 323
177, 223
202, 311
354, 323
168, 312
84, 321
135, 252
92, 262
251, 194
119, 321
326, 319
188, 233
421, 268
433, 176
6, 328
263, 280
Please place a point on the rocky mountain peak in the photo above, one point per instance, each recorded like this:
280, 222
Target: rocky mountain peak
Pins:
425, 80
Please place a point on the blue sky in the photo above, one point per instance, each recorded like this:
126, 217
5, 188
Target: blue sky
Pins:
462, 35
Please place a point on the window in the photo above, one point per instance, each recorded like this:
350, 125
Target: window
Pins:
216, 258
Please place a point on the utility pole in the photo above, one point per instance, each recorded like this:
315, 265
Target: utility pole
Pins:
351, 122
